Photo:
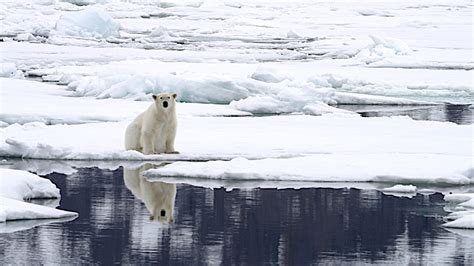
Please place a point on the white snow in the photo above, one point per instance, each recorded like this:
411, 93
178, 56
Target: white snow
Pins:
371, 149
329, 168
401, 189
252, 137
29, 101
16, 186
407, 191
21, 185
418, 50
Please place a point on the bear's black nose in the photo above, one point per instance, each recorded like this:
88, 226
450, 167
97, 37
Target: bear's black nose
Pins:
165, 104
163, 213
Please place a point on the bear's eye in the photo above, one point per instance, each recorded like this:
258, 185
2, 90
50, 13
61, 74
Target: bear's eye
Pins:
161, 98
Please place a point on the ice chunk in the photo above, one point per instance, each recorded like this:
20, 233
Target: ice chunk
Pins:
466, 222
91, 22
15, 186
463, 214
401, 189
292, 34
7, 70
266, 74
458, 197
22, 185
11, 209
271, 105
381, 49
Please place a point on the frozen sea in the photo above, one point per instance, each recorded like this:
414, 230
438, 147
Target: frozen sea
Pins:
309, 132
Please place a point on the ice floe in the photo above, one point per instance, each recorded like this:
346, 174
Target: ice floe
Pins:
17, 186
462, 214
29, 101
7, 70
330, 168
382, 49
329, 147
91, 22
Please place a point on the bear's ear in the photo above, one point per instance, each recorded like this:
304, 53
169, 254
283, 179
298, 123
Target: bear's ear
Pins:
154, 96
175, 95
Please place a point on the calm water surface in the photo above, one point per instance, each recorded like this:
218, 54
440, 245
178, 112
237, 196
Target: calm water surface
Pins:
254, 226
461, 114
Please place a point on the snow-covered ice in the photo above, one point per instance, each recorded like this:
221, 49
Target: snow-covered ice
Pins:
28, 101
91, 22
16, 186
326, 148
11, 210
462, 215
7, 70
343, 167
22, 185
401, 189
228, 61
420, 50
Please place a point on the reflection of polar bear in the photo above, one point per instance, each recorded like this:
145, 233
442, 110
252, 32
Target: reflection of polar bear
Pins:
154, 130
158, 197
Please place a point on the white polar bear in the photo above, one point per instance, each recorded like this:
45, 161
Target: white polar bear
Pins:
154, 130
158, 197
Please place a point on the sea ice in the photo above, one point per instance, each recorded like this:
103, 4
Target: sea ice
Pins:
200, 138
16, 186
401, 189
7, 70
21, 185
91, 22
462, 215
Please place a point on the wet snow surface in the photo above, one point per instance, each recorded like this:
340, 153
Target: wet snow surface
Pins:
306, 109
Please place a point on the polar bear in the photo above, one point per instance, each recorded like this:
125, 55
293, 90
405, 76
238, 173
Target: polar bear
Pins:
154, 130
158, 197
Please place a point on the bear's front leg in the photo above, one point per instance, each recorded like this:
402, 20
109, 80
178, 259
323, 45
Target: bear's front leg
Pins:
147, 143
170, 147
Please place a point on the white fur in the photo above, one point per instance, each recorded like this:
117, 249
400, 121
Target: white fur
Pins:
158, 197
154, 130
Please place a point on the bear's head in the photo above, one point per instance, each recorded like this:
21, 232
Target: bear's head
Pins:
165, 101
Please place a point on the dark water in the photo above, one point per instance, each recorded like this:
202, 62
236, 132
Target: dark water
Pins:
460, 114
254, 226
